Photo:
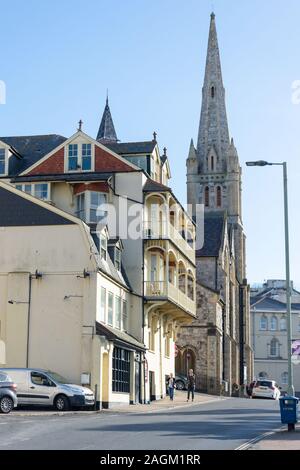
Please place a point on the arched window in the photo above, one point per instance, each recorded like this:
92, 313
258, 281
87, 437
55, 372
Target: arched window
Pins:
274, 323
212, 163
262, 375
263, 323
219, 196
284, 378
274, 347
206, 196
282, 324
212, 91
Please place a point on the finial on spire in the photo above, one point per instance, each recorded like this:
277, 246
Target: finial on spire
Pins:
106, 96
154, 136
165, 151
80, 125
212, 15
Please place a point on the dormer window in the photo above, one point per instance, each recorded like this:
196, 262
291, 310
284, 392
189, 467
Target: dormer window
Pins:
79, 157
2, 162
73, 157
103, 246
118, 258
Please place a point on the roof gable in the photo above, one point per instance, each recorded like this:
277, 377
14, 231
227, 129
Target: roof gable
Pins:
105, 159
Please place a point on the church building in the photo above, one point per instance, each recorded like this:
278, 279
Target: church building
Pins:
217, 344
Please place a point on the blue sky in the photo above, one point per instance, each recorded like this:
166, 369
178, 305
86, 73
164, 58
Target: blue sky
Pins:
57, 59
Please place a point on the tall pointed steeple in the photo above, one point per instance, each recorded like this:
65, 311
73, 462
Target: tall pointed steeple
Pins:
213, 129
106, 133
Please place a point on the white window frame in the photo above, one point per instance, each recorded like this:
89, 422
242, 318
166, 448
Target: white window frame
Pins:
88, 204
118, 258
110, 295
5, 161
124, 315
103, 247
275, 320
118, 312
263, 317
103, 305
25, 188
79, 143
274, 341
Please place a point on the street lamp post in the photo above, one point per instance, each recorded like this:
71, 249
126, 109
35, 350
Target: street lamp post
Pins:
290, 389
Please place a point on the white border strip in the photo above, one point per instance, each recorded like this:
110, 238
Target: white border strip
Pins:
248, 444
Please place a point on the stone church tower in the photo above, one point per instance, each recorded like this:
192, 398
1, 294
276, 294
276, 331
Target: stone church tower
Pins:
219, 340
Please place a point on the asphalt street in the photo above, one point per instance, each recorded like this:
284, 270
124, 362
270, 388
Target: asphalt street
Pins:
223, 424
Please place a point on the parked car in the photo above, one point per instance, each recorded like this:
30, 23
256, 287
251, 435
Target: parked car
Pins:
47, 388
266, 389
8, 397
181, 382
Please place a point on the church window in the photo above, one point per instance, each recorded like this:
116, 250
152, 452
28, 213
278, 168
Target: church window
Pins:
212, 163
206, 196
219, 196
212, 91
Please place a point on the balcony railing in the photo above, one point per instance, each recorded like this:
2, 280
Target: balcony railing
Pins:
158, 289
163, 230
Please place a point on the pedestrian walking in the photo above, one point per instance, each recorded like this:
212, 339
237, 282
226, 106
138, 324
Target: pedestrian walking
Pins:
191, 382
171, 386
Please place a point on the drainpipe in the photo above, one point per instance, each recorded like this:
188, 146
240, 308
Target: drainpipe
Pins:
28, 320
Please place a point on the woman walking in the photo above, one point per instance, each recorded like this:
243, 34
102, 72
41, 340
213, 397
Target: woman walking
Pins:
171, 386
191, 382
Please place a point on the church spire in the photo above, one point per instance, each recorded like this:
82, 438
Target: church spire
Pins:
213, 128
106, 133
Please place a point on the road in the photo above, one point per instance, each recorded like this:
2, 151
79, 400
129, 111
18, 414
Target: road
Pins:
224, 424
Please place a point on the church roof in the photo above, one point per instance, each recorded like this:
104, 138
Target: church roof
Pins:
214, 223
106, 132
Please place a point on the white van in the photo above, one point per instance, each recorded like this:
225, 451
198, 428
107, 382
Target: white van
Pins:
46, 388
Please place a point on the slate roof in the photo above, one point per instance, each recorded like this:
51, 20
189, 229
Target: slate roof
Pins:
272, 305
213, 234
106, 130
152, 185
70, 177
126, 148
31, 148
118, 336
18, 211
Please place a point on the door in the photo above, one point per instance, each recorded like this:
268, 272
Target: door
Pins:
41, 389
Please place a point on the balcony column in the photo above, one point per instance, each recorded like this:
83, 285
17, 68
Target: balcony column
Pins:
167, 271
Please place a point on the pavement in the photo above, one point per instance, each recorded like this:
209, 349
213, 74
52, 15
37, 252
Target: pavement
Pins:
210, 423
180, 400
281, 439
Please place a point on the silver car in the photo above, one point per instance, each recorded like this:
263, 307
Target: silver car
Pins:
46, 388
8, 397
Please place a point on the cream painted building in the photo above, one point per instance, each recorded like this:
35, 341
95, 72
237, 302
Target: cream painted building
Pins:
269, 334
104, 308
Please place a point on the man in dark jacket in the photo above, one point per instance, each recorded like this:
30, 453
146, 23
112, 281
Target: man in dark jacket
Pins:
191, 382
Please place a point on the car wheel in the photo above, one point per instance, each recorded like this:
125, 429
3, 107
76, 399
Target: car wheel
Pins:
61, 403
180, 385
6, 405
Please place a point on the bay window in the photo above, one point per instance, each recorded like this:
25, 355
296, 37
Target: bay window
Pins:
124, 315
118, 313
88, 206
110, 309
